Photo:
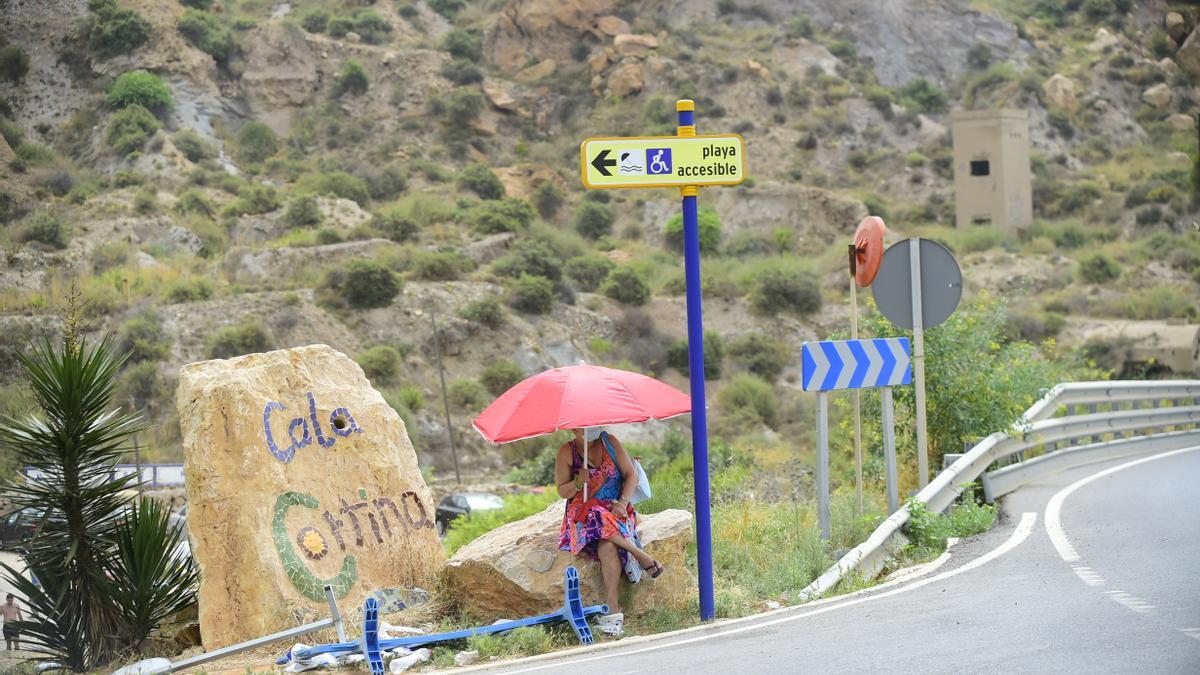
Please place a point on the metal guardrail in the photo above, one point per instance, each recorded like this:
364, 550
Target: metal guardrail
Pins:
153, 475
1039, 427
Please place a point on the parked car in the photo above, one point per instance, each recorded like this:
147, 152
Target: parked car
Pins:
464, 504
16, 528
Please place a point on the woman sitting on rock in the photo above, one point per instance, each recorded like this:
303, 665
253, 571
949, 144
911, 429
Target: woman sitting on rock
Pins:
605, 526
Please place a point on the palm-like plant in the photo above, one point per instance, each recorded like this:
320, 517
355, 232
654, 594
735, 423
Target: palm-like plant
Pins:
94, 560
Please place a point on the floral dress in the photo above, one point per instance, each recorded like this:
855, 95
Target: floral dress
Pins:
584, 524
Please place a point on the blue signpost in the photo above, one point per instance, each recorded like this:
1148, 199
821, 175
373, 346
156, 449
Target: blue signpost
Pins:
687, 161
854, 364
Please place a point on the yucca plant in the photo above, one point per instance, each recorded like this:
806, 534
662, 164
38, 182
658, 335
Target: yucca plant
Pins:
96, 557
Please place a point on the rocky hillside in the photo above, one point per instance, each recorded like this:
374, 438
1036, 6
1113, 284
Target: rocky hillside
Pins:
221, 176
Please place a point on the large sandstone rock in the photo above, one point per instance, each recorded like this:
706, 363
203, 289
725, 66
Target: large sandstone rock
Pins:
626, 79
298, 474
1188, 55
282, 73
634, 45
517, 570
1176, 26
544, 29
1181, 122
1158, 96
1060, 92
1104, 40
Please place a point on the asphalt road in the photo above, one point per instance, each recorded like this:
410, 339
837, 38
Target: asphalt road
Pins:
1103, 578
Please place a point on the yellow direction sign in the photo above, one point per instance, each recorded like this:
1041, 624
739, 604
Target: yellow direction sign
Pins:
662, 161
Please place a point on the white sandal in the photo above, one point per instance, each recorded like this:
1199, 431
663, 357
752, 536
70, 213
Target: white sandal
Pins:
612, 625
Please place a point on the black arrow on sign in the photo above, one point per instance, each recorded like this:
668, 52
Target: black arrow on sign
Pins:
602, 163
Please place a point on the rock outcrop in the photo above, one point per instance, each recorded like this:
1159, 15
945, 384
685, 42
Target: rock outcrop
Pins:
626, 79
1158, 96
1188, 55
1181, 122
517, 570
298, 475
1176, 26
1060, 91
282, 73
545, 29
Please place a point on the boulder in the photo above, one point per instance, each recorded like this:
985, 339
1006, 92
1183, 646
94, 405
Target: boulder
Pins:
1158, 96
1176, 26
634, 45
298, 475
599, 61
1104, 40
1181, 122
542, 29
517, 570
1060, 92
1168, 66
1188, 55
758, 69
536, 72
612, 25
498, 96
626, 79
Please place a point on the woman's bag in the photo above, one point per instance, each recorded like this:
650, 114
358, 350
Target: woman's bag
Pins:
642, 492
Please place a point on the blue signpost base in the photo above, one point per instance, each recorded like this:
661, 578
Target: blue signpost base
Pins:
691, 263
371, 647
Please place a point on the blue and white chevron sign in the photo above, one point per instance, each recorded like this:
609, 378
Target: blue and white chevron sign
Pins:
855, 364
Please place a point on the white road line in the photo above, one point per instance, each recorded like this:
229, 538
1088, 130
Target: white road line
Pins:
1019, 535
1191, 632
1054, 527
1088, 575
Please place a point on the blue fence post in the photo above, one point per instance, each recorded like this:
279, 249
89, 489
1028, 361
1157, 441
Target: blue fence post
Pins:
691, 256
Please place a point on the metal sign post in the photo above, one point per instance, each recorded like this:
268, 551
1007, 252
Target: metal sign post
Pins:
918, 287
688, 162
853, 364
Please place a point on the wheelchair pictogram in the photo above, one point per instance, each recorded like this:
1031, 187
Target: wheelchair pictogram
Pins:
658, 161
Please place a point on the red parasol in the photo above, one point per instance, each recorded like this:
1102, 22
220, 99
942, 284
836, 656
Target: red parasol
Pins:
574, 397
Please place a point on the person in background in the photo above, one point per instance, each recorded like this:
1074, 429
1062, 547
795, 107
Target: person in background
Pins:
605, 526
11, 612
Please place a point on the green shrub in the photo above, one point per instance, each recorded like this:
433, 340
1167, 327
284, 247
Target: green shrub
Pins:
1098, 269
461, 71
481, 180
463, 106
14, 63
500, 376
35, 154
352, 80
709, 229
547, 197
921, 96
198, 4
253, 198
877, 207
385, 182
530, 256
193, 146
208, 34
714, 356
764, 356
747, 395
116, 31
1034, 326
130, 128
589, 271
785, 289
465, 393
531, 294
255, 142
188, 289
302, 211
128, 178
372, 27
13, 135
249, 336
505, 215
315, 21
336, 183
392, 223
412, 398
626, 286
441, 266
194, 201
447, 8
463, 44
108, 255
1164, 301
594, 220
380, 362
329, 235
139, 87
360, 284
45, 228
142, 335
486, 311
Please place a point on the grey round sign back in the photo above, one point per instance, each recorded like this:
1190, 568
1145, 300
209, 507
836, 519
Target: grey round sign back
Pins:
941, 284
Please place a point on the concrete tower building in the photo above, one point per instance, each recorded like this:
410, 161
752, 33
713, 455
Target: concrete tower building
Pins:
992, 180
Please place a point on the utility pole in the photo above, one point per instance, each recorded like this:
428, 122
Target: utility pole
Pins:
437, 349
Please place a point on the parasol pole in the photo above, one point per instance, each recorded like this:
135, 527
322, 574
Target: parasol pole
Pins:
858, 458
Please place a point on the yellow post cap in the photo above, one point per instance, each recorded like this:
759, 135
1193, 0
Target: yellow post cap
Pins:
685, 104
